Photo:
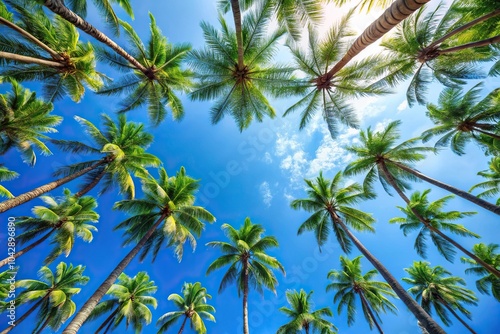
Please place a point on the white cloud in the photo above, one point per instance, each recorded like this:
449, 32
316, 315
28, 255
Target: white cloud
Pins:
366, 107
403, 106
289, 197
380, 126
267, 158
265, 191
286, 143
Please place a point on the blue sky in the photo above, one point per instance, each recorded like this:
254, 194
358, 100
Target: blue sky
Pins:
255, 174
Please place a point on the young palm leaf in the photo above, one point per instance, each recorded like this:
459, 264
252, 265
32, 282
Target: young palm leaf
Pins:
6, 175
435, 288
245, 254
492, 185
488, 283
349, 283
192, 306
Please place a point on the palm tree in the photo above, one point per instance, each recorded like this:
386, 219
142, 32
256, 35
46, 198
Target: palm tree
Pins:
24, 119
157, 86
302, 316
192, 305
328, 202
130, 298
247, 260
460, 117
349, 282
52, 294
487, 282
331, 97
239, 74
62, 220
425, 47
167, 202
6, 175
492, 185
435, 288
429, 218
48, 51
124, 148
379, 157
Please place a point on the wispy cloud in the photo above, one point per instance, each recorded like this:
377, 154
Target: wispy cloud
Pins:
268, 159
403, 106
266, 194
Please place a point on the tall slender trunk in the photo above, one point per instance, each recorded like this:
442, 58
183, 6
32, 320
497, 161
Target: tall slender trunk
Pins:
410, 303
27, 248
235, 7
45, 323
306, 327
32, 38
245, 297
463, 28
370, 311
91, 185
29, 60
28, 196
108, 319
183, 324
397, 12
484, 42
58, 7
83, 314
461, 193
393, 184
25, 315
448, 307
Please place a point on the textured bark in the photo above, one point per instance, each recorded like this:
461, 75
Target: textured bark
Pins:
396, 13
90, 304
27, 249
29, 60
461, 193
235, 6
245, 297
417, 310
370, 311
58, 7
28, 196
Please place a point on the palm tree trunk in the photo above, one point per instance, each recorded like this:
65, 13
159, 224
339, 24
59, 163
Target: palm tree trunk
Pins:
29, 60
27, 249
183, 324
28, 196
461, 193
489, 134
306, 327
484, 42
91, 185
235, 7
392, 182
370, 311
417, 310
32, 38
456, 315
245, 297
464, 27
45, 323
25, 315
397, 12
91, 303
108, 319
58, 7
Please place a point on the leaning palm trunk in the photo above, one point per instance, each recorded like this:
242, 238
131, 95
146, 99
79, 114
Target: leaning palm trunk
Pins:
396, 13
461, 193
445, 304
58, 7
26, 249
82, 315
369, 309
431, 228
484, 42
29, 60
417, 310
25, 315
28, 196
245, 298
183, 324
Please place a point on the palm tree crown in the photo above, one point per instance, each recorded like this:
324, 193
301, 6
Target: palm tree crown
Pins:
302, 317
130, 299
349, 282
489, 254
492, 185
192, 305
6, 175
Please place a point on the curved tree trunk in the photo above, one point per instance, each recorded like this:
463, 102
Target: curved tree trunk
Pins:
397, 12
235, 7
32, 38
25, 315
456, 315
417, 310
58, 7
370, 311
90, 304
484, 42
27, 248
108, 320
183, 324
245, 297
28, 196
392, 182
461, 193
29, 60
